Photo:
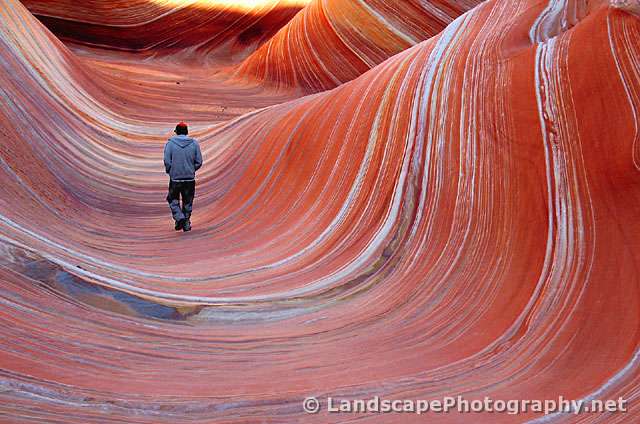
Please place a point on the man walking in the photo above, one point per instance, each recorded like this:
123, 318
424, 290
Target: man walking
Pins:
182, 158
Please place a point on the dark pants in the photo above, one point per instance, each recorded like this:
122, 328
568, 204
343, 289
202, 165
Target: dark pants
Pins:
186, 190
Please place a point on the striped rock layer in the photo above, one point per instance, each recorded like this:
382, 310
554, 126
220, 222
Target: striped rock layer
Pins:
332, 42
460, 220
210, 31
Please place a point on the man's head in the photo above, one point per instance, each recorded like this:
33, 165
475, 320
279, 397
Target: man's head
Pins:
182, 129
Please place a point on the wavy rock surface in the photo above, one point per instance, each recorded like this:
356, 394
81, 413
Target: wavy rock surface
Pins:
207, 31
459, 220
332, 42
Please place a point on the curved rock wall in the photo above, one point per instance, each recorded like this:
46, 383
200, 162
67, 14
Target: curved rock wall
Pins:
462, 219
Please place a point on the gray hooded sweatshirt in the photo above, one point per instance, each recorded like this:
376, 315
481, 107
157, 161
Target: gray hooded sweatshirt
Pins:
182, 157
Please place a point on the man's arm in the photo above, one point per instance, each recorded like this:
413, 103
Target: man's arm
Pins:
167, 157
198, 161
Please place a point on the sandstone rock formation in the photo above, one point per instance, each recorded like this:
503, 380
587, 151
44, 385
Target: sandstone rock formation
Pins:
461, 219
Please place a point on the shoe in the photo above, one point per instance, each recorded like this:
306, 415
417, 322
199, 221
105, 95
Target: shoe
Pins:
186, 226
179, 224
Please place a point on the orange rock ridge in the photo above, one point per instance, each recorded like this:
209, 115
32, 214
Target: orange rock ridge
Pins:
332, 42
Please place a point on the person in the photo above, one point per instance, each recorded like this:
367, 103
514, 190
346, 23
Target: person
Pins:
182, 158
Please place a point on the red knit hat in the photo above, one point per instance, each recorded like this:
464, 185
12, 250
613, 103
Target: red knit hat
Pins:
181, 128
